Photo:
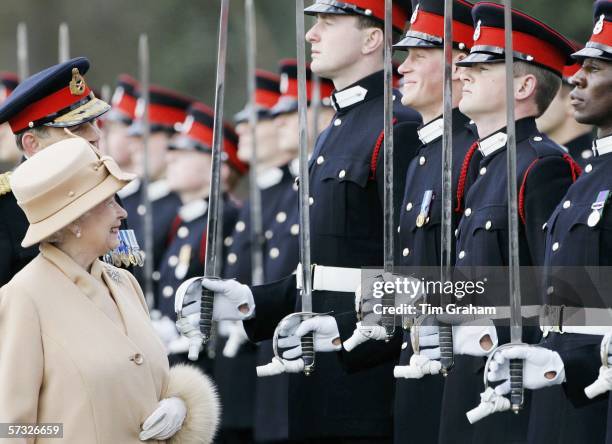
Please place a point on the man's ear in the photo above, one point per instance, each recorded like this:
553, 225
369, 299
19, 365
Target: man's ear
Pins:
30, 144
373, 39
457, 69
525, 87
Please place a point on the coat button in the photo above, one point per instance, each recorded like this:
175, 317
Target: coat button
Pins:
409, 206
468, 211
141, 210
341, 174
295, 229
137, 358
320, 160
586, 154
268, 234
156, 275
173, 260
550, 290
281, 217
461, 254
488, 225
404, 345
537, 139
555, 246
240, 226
337, 122
228, 241
274, 252
483, 171
406, 252
588, 168
232, 258
567, 204
399, 228
422, 160
456, 231
311, 200
183, 232
544, 226
168, 291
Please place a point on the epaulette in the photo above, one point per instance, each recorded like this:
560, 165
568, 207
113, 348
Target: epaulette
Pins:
5, 183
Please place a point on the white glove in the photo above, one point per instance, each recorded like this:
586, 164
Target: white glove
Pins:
490, 402
466, 339
189, 328
229, 296
603, 383
236, 336
165, 329
419, 366
537, 361
165, 421
364, 333
324, 329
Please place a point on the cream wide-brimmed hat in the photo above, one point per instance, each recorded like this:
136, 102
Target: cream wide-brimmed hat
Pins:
61, 183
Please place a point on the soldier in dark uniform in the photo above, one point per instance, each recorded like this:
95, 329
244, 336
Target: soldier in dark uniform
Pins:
544, 172
281, 230
9, 153
167, 110
51, 105
346, 187
578, 236
417, 402
118, 120
559, 124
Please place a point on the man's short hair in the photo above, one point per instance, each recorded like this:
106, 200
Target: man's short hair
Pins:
39, 131
364, 22
547, 83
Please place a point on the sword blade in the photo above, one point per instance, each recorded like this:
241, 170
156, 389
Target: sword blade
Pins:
22, 52
63, 43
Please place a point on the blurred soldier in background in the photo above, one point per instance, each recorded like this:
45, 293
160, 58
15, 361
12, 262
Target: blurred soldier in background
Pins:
9, 153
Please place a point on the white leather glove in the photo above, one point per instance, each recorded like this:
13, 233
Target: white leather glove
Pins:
364, 333
603, 383
419, 366
490, 402
466, 339
537, 361
229, 296
324, 329
165, 329
189, 328
236, 336
165, 421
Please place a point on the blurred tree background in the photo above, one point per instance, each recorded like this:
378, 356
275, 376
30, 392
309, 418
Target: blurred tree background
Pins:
183, 37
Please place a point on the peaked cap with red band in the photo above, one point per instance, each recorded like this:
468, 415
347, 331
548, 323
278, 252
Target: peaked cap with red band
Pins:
267, 85
367, 8
599, 45
288, 100
427, 25
57, 96
197, 134
167, 110
532, 41
8, 83
123, 102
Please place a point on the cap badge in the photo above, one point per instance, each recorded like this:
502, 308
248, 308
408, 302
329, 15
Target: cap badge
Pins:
187, 124
477, 31
77, 84
415, 14
284, 83
599, 25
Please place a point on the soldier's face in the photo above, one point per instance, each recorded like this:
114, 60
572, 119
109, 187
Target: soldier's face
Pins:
158, 145
288, 131
591, 97
267, 140
556, 114
188, 171
483, 91
422, 72
118, 144
336, 44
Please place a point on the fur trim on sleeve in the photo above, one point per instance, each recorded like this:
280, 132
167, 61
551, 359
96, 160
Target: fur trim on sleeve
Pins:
202, 401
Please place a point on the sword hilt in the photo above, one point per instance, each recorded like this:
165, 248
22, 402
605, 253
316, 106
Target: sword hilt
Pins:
308, 353
388, 320
206, 313
516, 385
446, 348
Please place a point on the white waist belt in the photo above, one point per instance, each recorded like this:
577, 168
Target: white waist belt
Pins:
601, 330
332, 278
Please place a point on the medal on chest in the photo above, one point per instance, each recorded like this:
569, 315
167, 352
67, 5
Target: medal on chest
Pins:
183, 263
598, 207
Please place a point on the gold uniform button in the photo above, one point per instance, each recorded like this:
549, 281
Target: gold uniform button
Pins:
281, 217
137, 358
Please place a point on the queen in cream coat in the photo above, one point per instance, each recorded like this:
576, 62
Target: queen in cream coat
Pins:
76, 345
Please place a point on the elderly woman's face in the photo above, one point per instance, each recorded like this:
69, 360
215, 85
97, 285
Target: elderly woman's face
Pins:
100, 226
